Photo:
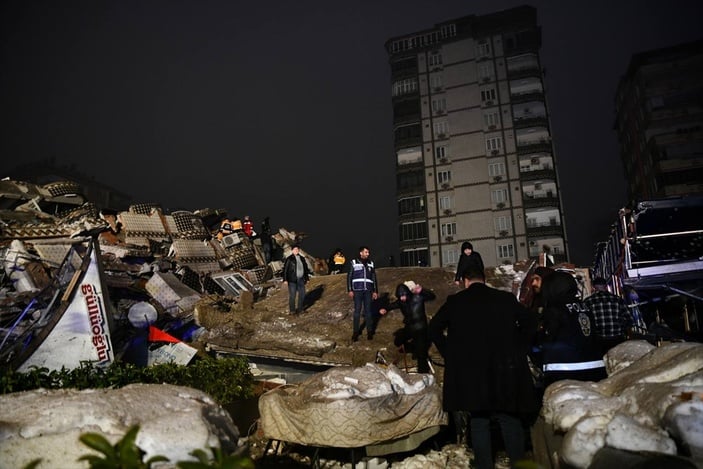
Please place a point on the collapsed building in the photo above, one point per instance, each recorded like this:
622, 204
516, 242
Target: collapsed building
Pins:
156, 266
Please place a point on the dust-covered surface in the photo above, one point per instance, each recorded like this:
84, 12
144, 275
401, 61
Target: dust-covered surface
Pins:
322, 332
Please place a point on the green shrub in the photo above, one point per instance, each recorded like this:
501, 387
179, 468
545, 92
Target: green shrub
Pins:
225, 380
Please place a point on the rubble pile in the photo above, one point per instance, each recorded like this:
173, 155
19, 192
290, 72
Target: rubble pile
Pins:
146, 259
173, 421
651, 403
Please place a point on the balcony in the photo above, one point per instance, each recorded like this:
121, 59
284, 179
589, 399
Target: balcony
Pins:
404, 142
542, 146
544, 229
406, 118
533, 175
527, 97
525, 72
531, 121
540, 200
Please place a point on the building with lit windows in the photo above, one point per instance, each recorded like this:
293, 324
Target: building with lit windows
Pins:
475, 160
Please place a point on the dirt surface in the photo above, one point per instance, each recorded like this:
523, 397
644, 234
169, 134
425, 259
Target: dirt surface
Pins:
322, 332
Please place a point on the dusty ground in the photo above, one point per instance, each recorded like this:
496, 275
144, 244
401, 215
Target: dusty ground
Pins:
322, 333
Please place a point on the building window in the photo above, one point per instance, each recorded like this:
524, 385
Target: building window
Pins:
485, 70
499, 196
501, 223
444, 177
410, 180
436, 82
435, 59
483, 49
441, 128
413, 257
439, 105
450, 256
411, 205
489, 94
448, 229
490, 119
440, 152
505, 251
409, 85
413, 230
496, 169
445, 202
494, 143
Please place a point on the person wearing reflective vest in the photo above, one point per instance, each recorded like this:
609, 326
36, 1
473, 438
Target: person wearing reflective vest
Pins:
362, 287
570, 349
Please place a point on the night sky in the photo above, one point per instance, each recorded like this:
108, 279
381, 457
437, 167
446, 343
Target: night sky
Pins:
283, 108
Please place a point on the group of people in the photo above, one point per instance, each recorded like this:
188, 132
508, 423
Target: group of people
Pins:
485, 337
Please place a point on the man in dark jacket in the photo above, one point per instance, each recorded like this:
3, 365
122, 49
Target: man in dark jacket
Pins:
410, 299
296, 274
486, 372
570, 349
362, 287
468, 259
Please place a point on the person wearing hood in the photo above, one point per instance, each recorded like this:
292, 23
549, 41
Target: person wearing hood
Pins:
570, 349
469, 259
410, 299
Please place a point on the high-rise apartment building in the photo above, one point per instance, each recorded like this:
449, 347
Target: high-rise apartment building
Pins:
475, 160
659, 120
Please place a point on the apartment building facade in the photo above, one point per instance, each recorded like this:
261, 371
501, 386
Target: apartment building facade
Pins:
659, 121
473, 144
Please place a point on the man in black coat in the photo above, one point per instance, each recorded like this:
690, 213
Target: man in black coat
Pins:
486, 372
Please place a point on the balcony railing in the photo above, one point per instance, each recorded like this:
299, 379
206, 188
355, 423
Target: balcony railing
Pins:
539, 201
544, 229
525, 72
534, 147
532, 175
531, 121
407, 118
527, 97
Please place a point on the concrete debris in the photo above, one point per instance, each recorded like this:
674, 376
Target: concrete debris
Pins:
172, 261
173, 420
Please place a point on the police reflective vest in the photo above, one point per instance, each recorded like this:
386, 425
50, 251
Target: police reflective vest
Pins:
362, 276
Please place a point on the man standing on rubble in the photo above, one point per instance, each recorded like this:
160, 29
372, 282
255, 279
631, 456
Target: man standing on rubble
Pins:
613, 319
296, 274
485, 355
362, 287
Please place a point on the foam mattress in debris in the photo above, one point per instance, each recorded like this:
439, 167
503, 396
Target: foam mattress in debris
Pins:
347, 407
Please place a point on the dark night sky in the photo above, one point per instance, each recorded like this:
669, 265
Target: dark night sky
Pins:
283, 108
